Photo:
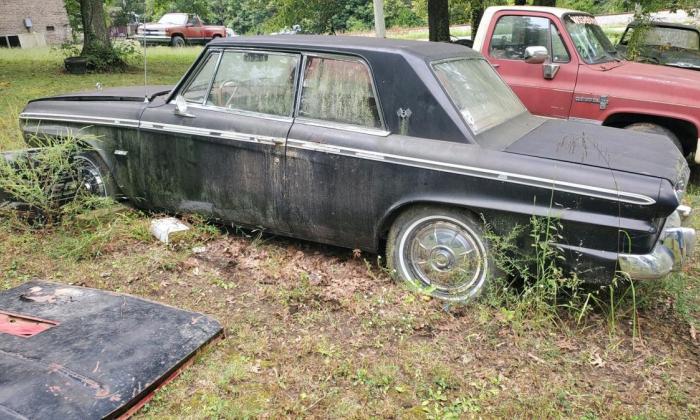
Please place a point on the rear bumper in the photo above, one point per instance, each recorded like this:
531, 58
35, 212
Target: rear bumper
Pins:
675, 246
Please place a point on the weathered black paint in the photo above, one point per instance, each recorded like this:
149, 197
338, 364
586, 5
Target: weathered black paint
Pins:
106, 354
351, 200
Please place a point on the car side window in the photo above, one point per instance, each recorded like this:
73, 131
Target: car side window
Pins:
256, 82
513, 34
197, 88
339, 91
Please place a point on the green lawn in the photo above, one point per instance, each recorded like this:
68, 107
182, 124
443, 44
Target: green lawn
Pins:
314, 331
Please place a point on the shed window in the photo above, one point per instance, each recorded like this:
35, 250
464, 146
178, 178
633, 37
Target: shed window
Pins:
339, 91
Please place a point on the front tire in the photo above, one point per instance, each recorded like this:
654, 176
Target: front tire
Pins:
177, 41
442, 250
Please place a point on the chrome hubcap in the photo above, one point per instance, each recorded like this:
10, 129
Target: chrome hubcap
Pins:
445, 255
90, 179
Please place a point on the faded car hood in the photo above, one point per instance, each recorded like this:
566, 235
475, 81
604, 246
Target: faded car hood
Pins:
603, 147
129, 93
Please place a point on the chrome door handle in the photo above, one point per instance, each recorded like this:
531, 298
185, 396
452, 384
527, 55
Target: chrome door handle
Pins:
278, 141
495, 66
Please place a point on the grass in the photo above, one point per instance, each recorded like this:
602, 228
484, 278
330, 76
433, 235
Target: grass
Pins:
315, 331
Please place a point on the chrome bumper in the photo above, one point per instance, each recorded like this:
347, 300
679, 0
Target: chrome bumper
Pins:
675, 246
153, 38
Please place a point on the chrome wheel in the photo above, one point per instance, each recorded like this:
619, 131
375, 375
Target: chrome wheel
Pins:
444, 254
90, 179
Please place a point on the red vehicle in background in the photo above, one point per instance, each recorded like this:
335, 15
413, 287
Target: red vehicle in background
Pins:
178, 30
561, 64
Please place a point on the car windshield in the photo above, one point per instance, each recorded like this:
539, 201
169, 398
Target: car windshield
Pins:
673, 37
592, 44
173, 19
482, 97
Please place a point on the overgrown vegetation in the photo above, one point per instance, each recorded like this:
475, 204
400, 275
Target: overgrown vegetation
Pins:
315, 331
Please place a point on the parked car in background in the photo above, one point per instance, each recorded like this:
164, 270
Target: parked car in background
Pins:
178, 30
670, 44
315, 137
561, 64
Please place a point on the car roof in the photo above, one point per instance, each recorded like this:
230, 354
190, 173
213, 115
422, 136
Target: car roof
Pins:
357, 45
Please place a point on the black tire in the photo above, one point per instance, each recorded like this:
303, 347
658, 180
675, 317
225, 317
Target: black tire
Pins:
177, 41
652, 128
432, 264
94, 176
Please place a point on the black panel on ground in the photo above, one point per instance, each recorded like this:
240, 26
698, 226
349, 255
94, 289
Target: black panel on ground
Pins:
106, 353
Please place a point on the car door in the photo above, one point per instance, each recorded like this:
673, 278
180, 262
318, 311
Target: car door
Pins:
223, 156
194, 29
329, 191
543, 94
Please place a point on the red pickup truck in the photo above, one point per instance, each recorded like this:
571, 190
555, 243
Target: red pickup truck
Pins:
561, 64
179, 29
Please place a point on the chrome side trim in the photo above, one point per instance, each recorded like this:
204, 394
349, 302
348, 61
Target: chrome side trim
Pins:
549, 184
120, 122
204, 132
241, 112
341, 126
545, 183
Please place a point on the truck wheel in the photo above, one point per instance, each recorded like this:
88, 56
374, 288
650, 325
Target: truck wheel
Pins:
441, 250
656, 129
177, 41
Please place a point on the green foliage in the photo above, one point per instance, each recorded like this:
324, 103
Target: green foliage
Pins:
36, 182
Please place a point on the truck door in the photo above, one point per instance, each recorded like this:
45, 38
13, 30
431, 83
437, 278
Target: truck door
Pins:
545, 88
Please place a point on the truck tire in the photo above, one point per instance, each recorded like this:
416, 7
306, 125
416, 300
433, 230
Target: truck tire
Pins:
440, 250
652, 128
177, 41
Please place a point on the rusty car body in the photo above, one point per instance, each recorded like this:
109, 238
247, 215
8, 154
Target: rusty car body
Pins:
366, 143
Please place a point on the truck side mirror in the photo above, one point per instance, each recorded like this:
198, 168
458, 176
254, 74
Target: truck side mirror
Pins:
535, 55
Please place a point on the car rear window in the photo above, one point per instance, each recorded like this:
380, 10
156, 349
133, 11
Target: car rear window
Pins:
479, 94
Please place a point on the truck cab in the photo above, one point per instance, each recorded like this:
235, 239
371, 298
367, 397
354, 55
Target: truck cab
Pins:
562, 65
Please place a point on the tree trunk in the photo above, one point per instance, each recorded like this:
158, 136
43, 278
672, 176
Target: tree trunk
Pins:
438, 21
477, 12
520, 2
95, 34
551, 3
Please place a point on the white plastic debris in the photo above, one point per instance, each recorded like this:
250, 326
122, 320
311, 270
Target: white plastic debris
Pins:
163, 228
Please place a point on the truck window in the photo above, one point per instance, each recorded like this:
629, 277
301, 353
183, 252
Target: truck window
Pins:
340, 91
513, 34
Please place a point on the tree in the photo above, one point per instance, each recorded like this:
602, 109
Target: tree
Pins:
551, 3
97, 47
438, 21
477, 12
520, 2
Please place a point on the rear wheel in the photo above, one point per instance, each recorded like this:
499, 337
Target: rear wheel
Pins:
656, 129
440, 249
177, 41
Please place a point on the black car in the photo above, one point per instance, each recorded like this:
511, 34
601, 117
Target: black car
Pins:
367, 143
670, 44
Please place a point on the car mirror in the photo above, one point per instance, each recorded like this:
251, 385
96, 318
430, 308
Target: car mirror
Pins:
181, 107
535, 55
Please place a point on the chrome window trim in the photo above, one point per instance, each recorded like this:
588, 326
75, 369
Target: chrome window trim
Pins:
341, 126
223, 51
243, 113
341, 57
544, 183
196, 73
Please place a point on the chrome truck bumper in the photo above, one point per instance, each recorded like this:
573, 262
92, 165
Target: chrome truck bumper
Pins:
156, 39
676, 244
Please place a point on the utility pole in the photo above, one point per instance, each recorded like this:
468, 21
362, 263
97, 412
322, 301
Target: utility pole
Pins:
379, 28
